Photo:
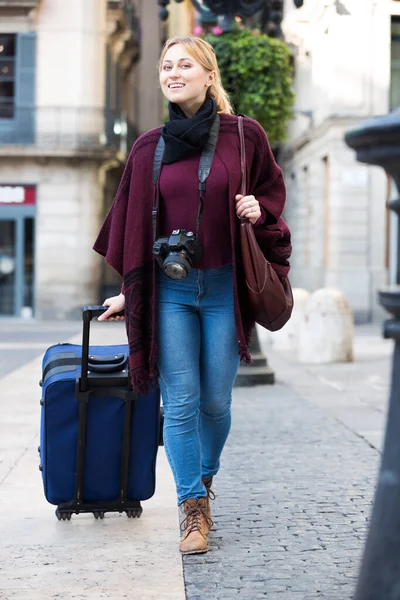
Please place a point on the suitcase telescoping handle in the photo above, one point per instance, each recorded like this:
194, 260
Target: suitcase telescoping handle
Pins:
89, 313
127, 394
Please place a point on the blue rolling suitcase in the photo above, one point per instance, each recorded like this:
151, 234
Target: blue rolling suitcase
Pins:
98, 439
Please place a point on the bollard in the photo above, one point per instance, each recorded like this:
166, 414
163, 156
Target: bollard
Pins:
377, 142
327, 329
287, 338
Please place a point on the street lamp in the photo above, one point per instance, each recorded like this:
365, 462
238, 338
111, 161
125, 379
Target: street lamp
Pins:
209, 11
377, 142
241, 8
163, 12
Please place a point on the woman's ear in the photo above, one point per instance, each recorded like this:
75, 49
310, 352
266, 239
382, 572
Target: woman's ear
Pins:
211, 78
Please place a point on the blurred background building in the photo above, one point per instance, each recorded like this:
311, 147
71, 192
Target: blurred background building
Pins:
346, 58
79, 83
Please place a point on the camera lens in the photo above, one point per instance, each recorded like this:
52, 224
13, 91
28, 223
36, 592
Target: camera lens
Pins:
176, 266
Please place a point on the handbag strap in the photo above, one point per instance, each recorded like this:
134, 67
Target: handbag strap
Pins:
243, 187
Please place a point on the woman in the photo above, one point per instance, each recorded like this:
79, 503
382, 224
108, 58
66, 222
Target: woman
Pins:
190, 333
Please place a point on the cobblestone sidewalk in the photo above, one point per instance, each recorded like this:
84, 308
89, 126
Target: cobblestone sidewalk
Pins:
293, 495
293, 498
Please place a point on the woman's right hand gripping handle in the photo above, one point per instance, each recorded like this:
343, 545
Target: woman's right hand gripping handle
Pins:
116, 304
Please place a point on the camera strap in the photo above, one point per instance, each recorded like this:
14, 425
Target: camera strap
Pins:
203, 172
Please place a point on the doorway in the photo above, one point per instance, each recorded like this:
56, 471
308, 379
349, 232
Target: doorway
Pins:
17, 261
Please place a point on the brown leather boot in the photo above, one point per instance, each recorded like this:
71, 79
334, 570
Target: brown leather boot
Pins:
196, 526
210, 494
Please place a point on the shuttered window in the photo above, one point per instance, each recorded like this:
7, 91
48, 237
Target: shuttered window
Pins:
7, 75
17, 88
395, 64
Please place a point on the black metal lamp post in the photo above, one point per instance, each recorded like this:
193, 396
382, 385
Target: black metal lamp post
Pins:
163, 11
258, 372
377, 142
210, 10
242, 8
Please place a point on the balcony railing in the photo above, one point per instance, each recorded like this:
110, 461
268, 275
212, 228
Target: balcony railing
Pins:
65, 129
18, 6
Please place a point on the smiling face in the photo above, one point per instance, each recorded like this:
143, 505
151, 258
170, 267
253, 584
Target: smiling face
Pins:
184, 80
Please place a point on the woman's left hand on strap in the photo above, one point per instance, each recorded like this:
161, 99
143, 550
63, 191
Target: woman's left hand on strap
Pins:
247, 207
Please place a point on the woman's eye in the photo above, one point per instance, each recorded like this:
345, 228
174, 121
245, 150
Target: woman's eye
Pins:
169, 67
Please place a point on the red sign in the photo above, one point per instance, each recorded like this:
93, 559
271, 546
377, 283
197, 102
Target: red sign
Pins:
14, 195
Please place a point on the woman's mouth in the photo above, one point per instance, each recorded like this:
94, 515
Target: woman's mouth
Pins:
176, 86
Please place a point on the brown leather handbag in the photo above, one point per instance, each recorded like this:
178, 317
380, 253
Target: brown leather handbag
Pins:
271, 298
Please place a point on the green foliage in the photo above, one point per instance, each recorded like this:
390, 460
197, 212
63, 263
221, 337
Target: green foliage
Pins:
256, 72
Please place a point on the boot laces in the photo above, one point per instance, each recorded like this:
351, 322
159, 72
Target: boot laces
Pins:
192, 520
210, 493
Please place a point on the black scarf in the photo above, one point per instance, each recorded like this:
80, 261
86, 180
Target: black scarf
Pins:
185, 136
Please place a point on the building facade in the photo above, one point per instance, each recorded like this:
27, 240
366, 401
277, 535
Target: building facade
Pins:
77, 85
346, 59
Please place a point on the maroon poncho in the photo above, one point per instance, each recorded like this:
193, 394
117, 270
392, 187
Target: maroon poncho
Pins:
126, 237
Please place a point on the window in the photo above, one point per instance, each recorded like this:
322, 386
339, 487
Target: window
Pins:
7, 75
395, 64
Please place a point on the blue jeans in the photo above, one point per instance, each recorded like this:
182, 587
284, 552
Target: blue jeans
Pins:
198, 358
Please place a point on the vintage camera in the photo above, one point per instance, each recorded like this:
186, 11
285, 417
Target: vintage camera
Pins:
175, 253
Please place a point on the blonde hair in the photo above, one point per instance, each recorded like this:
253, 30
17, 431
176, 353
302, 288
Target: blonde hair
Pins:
204, 53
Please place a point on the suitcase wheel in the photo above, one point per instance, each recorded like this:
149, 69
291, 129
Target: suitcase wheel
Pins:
63, 516
134, 513
98, 514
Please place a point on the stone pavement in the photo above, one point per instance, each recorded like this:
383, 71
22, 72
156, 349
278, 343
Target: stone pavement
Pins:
83, 559
293, 495
22, 340
296, 484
